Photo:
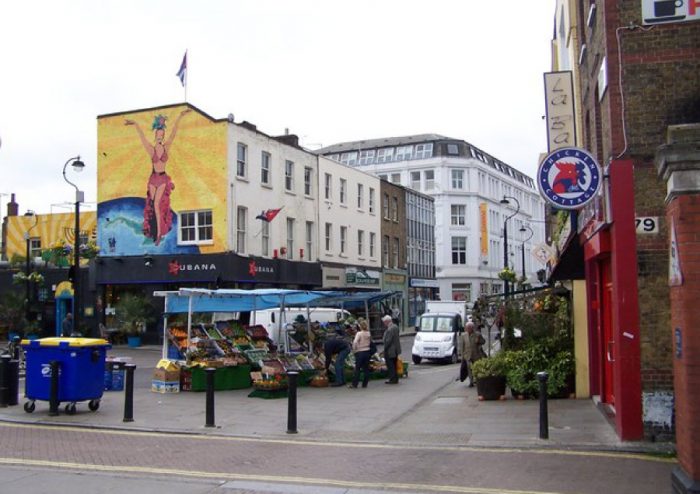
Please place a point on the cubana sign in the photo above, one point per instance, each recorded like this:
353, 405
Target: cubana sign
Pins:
569, 178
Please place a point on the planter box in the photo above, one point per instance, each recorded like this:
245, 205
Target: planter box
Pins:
491, 387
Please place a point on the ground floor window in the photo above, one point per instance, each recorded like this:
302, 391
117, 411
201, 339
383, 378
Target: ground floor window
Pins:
462, 291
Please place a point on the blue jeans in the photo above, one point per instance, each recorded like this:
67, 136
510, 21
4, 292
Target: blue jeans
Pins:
340, 366
361, 363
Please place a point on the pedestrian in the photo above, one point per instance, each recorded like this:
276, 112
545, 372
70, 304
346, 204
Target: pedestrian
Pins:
392, 348
67, 325
340, 348
472, 348
360, 347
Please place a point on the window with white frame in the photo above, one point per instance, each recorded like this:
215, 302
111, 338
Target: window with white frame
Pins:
385, 155
360, 243
360, 196
429, 179
241, 220
459, 250
343, 190
395, 208
382, 176
415, 180
385, 204
372, 243
329, 237
195, 227
308, 180
265, 168
327, 186
404, 153
35, 247
457, 179
395, 253
424, 150
265, 238
385, 251
483, 289
462, 291
334, 157
366, 157
396, 178
241, 162
309, 240
290, 238
289, 175
349, 159
453, 149
371, 200
343, 239
458, 214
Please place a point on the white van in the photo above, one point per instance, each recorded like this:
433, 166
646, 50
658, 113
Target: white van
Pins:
438, 337
270, 318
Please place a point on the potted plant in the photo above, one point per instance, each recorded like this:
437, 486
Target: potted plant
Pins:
133, 312
507, 274
490, 375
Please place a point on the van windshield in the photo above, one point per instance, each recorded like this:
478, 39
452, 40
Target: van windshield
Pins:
436, 324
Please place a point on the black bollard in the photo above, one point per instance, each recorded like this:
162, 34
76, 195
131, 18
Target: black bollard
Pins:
13, 383
292, 402
129, 393
544, 415
4, 380
210, 397
53, 393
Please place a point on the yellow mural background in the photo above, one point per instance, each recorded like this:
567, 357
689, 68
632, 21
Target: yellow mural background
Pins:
197, 163
50, 228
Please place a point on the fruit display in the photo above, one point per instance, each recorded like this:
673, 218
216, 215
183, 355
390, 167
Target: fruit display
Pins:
231, 330
289, 362
271, 383
178, 336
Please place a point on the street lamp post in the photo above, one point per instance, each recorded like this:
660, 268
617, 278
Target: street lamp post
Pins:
525, 228
505, 235
79, 197
27, 265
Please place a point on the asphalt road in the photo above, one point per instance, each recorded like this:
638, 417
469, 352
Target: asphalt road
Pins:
56, 459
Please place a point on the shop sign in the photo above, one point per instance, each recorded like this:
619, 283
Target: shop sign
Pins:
394, 279
421, 283
254, 268
354, 276
569, 178
665, 11
559, 109
175, 267
483, 224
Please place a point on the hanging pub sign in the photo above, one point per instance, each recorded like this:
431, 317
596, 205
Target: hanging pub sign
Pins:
569, 178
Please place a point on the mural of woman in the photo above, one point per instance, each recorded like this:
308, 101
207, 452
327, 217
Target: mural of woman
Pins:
157, 216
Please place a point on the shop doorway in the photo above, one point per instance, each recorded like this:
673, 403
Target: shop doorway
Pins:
64, 303
608, 393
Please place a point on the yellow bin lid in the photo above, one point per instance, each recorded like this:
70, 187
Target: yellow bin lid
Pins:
73, 342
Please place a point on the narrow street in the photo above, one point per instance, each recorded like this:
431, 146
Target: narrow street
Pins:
34, 457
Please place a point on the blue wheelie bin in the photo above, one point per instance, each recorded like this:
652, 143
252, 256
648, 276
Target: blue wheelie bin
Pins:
80, 374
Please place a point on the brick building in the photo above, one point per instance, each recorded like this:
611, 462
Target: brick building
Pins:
635, 74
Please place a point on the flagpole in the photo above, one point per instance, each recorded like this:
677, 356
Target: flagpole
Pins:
187, 72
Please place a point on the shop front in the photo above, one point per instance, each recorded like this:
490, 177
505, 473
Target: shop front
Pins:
419, 291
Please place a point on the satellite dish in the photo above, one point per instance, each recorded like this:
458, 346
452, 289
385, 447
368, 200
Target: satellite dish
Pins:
230, 117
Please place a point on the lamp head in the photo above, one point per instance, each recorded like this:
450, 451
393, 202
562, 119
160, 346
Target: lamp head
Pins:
505, 201
29, 213
78, 165
523, 229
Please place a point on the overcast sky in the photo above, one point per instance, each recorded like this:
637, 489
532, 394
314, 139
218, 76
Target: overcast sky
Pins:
329, 71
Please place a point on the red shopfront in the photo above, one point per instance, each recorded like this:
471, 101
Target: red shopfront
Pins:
607, 233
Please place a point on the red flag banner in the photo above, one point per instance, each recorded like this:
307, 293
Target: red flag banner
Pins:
268, 215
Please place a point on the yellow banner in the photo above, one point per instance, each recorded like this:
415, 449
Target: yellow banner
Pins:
483, 216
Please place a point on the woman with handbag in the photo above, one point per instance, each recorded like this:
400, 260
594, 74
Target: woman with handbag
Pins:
361, 349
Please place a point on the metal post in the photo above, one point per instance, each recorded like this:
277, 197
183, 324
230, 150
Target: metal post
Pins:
129, 393
522, 252
292, 402
13, 382
4, 380
544, 416
210, 371
505, 253
53, 394
76, 268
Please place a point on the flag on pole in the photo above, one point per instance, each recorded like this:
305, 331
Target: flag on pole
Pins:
268, 215
182, 73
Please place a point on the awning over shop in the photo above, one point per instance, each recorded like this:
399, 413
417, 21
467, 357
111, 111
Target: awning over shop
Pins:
571, 264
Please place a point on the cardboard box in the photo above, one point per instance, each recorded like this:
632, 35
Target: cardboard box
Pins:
166, 375
165, 386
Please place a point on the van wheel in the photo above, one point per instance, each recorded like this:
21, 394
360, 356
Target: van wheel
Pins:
454, 358
416, 359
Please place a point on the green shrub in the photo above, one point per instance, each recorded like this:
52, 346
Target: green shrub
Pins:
489, 366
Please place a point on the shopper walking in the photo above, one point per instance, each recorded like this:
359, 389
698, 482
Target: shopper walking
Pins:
340, 348
392, 348
67, 325
360, 347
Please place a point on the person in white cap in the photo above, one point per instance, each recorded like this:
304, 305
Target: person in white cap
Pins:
392, 348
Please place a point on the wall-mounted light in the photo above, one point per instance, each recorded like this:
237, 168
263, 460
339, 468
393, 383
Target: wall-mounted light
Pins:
148, 261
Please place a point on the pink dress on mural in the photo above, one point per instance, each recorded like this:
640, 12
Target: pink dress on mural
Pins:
157, 180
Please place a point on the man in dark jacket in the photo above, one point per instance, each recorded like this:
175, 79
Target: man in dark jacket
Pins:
340, 348
392, 348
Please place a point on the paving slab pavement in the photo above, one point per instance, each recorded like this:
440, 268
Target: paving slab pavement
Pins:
427, 408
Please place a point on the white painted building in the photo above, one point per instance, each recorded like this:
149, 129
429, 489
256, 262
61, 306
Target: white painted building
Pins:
468, 186
349, 225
